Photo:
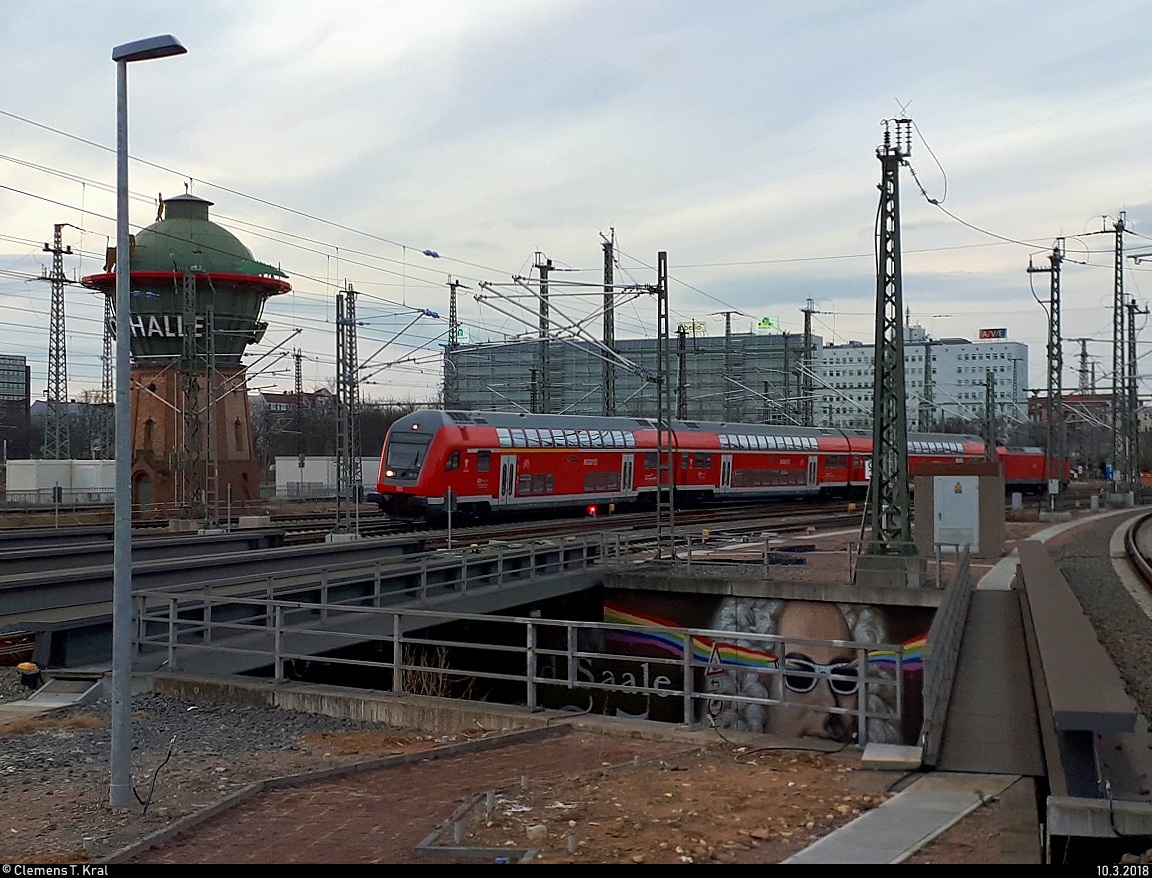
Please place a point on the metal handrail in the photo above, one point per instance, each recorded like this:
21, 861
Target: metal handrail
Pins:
547, 661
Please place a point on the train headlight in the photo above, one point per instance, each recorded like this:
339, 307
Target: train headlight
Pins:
389, 473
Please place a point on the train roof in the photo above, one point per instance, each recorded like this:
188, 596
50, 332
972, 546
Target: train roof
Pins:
600, 422
431, 418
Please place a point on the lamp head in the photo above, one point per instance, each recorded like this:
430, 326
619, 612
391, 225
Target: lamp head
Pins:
153, 47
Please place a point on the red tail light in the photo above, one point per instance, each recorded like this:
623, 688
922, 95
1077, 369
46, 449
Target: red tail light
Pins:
592, 510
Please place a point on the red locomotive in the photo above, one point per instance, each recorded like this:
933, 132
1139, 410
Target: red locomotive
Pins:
504, 461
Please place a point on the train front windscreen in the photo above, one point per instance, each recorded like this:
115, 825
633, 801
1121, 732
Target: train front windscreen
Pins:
405, 455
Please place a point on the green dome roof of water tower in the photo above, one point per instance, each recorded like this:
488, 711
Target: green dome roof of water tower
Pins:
186, 240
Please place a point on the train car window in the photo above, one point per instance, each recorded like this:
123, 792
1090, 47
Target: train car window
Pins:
704, 459
545, 438
629, 440
453, 461
597, 439
684, 461
483, 461
601, 482
524, 485
582, 439
570, 438
503, 438
543, 483
651, 460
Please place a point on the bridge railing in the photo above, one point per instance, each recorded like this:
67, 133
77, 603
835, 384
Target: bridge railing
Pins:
682, 675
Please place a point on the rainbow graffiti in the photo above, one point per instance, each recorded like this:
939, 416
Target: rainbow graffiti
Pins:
705, 650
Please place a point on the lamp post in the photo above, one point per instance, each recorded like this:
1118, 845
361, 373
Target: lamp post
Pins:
122, 638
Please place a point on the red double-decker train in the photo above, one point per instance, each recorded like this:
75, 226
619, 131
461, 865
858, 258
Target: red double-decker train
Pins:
486, 462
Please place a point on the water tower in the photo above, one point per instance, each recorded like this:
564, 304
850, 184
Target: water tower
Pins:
197, 297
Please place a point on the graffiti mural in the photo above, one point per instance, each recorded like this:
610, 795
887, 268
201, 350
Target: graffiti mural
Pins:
799, 681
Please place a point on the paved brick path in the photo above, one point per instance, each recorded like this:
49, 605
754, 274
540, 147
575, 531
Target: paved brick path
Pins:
380, 816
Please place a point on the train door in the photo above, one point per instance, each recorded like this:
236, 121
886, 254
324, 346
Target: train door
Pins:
812, 471
626, 473
725, 471
507, 479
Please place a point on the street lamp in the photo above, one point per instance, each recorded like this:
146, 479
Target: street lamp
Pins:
121, 786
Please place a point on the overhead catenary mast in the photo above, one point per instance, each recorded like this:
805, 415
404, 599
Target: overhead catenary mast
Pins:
1119, 360
544, 266
891, 524
1054, 405
348, 471
56, 435
609, 367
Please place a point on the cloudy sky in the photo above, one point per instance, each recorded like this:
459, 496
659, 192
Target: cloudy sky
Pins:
341, 140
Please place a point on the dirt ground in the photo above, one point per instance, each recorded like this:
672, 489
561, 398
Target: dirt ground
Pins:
719, 803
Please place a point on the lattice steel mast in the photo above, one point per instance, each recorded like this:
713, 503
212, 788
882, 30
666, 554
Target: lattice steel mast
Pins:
990, 415
348, 469
609, 369
544, 266
1054, 455
1132, 406
665, 477
451, 369
891, 525
191, 362
1120, 455
57, 441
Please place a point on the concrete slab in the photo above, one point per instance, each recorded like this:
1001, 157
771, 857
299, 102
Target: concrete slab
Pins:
896, 757
907, 821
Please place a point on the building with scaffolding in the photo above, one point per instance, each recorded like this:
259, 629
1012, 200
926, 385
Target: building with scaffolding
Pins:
742, 377
747, 377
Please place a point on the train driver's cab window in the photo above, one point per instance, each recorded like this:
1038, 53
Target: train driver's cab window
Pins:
406, 450
453, 461
483, 461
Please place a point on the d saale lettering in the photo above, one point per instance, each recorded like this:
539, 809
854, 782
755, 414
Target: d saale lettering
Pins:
627, 679
73, 869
